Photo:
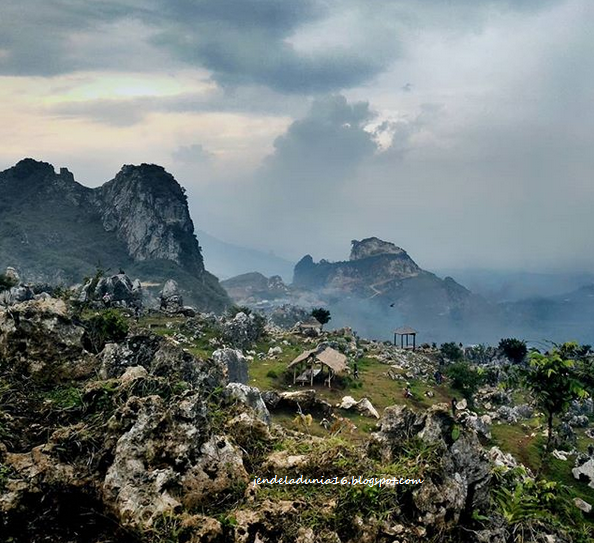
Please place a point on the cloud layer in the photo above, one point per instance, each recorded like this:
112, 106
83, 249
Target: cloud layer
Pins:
460, 130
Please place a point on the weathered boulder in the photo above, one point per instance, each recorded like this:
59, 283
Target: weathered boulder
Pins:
363, 406
251, 397
242, 330
171, 300
305, 400
39, 337
234, 363
117, 290
165, 458
460, 485
12, 274
161, 357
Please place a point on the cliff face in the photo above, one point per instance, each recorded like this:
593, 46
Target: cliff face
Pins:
148, 211
53, 229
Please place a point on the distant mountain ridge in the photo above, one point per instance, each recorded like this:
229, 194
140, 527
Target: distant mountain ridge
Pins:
53, 229
228, 260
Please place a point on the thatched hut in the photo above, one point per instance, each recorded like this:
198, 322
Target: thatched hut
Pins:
317, 363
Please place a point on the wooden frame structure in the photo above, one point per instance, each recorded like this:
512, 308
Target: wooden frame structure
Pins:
304, 366
405, 332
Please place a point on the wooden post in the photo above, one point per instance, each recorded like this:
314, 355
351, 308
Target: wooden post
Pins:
414, 341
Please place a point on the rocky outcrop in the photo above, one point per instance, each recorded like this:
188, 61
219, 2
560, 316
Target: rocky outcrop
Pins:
369, 247
242, 330
117, 290
381, 285
138, 221
251, 397
234, 364
148, 211
37, 332
460, 486
171, 300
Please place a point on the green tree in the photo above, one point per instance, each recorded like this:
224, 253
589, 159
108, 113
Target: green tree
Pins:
321, 315
452, 351
554, 384
513, 349
465, 378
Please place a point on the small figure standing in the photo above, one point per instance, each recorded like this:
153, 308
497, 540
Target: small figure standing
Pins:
438, 377
454, 406
407, 391
355, 371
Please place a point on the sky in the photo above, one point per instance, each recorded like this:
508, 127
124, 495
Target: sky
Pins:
462, 131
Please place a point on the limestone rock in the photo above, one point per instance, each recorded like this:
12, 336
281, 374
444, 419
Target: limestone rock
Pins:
171, 301
465, 468
582, 505
585, 472
40, 334
242, 330
251, 397
234, 363
363, 406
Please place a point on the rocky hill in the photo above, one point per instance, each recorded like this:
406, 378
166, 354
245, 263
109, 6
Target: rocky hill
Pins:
55, 230
382, 286
156, 437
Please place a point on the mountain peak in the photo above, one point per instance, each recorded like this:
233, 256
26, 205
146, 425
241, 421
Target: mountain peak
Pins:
29, 167
373, 246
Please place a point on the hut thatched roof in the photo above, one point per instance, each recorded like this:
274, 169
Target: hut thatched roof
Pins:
336, 361
333, 359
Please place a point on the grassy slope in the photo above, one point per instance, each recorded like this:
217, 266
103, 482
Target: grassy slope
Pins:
524, 439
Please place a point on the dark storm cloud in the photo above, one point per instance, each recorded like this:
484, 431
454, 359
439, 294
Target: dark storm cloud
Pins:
318, 150
242, 42
37, 38
246, 43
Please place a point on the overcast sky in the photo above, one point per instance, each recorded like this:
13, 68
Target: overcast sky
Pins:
462, 131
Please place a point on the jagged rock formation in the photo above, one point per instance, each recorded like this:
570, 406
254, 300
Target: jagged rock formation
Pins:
147, 209
381, 285
372, 247
55, 230
118, 290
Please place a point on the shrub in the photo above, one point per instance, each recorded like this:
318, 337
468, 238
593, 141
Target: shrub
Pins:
102, 328
464, 378
321, 315
513, 349
451, 351
6, 283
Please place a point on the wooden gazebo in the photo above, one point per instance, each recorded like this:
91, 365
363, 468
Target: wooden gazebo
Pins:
405, 332
305, 370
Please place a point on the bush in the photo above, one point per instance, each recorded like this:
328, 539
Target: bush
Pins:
464, 378
102, 328
272, 374
6, 283
451, 351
